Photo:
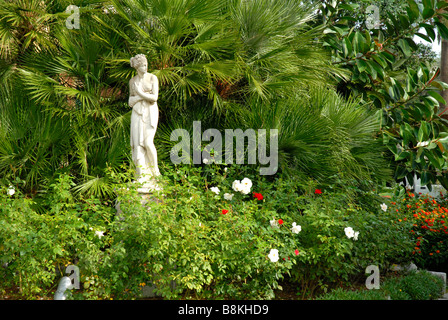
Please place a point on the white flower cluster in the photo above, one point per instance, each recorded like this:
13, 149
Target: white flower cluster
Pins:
242, 186
273, 254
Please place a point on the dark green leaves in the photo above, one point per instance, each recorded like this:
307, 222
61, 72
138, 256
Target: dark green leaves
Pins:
410, 97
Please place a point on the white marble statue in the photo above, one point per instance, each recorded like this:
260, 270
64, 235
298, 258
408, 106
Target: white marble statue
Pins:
143, 94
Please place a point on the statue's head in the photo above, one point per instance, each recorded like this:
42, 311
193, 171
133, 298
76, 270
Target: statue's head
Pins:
140, 63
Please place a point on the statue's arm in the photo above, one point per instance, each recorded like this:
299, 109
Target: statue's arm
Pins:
133, 97
153, 96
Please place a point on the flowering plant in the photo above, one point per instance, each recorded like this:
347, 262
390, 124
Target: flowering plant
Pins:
428, 217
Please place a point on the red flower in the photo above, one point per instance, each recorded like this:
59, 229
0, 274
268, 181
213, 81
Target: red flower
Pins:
259, 196
317, 191
224, 211
296, 252
280, 221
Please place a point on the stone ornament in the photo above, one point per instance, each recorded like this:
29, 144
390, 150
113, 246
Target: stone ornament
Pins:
143, 94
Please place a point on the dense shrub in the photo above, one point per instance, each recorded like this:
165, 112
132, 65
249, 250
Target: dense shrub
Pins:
36, 248
194, 234
414, 285
428, 216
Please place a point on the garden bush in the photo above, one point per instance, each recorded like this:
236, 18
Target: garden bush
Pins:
414, 285
210, 235
428, 216
36, 248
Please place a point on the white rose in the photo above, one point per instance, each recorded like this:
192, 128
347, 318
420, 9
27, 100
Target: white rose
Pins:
273, 255
236, 185
246, 183
245, 190
274, 223
215, 190
296, 228
384, 207
228, 196
205, 161
355, 236
11, 191
349, 232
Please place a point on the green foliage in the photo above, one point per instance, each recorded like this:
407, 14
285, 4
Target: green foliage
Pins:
409, 99
182, 235
38, 247
414, 285
429, 230
419, 285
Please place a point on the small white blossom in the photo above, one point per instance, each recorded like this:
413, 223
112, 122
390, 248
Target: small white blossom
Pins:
274, 223
99, 234
228, 196
215, 190
296, 228
11, 191
384, 207
273, 255
349, 232
205, 161
355, 236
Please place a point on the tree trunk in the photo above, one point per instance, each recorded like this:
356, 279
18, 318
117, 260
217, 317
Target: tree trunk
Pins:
444, 75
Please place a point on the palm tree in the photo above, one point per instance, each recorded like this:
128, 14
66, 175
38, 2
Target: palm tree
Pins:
325, 137
72, 100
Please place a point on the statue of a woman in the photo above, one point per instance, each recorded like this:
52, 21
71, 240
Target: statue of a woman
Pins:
143, 94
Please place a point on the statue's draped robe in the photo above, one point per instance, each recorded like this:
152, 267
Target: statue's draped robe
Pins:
144, 119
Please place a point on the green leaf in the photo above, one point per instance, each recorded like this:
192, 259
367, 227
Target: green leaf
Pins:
404, 46
359, 43
425, 178
442, 4
346, 48
427, 13
361, 64
424, 37
400, 172
406, 133
428, 4
380, 60
349, 7
402, 155
423, 133
443, 30
429, 30
439, 85
433, 159
378, 69
436, 96
413, 11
